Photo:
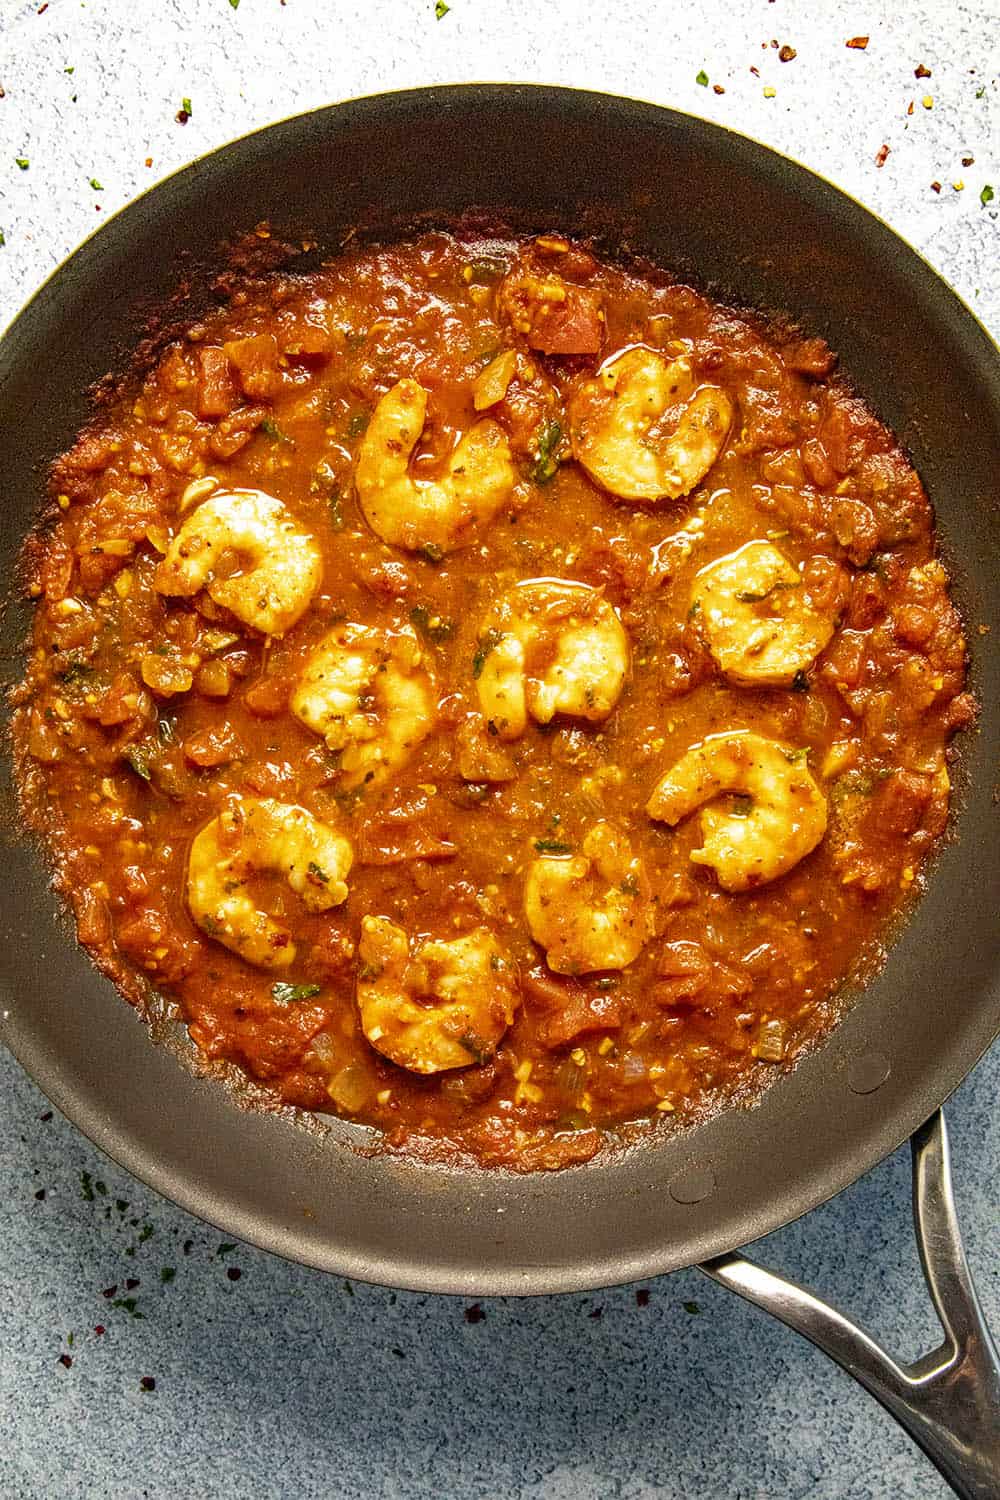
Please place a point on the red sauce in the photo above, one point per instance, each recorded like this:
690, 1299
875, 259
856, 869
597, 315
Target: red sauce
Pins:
143, 715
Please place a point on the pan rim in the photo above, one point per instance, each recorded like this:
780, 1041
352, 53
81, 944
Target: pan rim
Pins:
395, 1270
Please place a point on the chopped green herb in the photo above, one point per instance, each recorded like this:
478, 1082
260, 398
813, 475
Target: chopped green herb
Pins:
630, 886
431, 552
553, 846
284, 993
167, 1274
747, 596
986, 196
69, 1341
22, 162
980, 91
547, 463
742, 805
478, 1050
432, 627
702, 78
3, 239
314, 870
484, 269
86, 1187
274, 432
800, 682
234, 4
137, 760
692, 1307
96, 185
792, 756
695, 609
186, 106
165, 729
69, 70
129, 1304
145, 1233
357, 423
75, 670
486, 644
440, 10
225, 1249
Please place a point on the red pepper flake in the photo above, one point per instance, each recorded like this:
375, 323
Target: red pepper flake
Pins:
935, 187
131, 1282
66, 1361
642, 1297
149, 161
474, 1314
99, 1329
147, 1383
787, 53
881, 154
40, 1195
755, 72
921, 72
182, 116
597, 1313
188, 1246
909, 108
967, 161
47, 1115
717, 88
234, 1273
857, 43
42, 9
109, 1291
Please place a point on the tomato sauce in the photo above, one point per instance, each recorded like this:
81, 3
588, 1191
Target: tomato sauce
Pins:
142, 715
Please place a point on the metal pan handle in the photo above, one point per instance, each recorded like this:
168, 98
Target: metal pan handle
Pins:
949, 1400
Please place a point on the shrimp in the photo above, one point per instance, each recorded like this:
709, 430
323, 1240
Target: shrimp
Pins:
442, 514
251, 555
757, 622
612, 426
550, 646
590, 910
254, 836
367, 692
747, 846
434, 1004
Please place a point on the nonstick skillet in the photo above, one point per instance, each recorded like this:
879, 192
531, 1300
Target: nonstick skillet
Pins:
754, 229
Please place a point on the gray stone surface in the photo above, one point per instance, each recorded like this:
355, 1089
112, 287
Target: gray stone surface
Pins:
284, 1382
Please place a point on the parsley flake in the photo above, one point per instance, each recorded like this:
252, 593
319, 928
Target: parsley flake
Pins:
284, 993
547, 463
486, 644
22, 162
987, 195
97, 186
702, 78
440, 10
553, 846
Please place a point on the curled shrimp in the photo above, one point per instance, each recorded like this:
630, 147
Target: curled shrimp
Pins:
250, 554
590, 910
550, 646
367, 692
434, 1004
256, 836
756, 619
612, 426
440, 514
746, 845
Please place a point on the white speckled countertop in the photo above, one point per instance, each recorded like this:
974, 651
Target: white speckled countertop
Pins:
270, 1380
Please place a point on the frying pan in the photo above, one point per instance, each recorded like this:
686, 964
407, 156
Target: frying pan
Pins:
753, 228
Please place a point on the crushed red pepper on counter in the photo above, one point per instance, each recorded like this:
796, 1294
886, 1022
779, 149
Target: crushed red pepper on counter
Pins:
476, 679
